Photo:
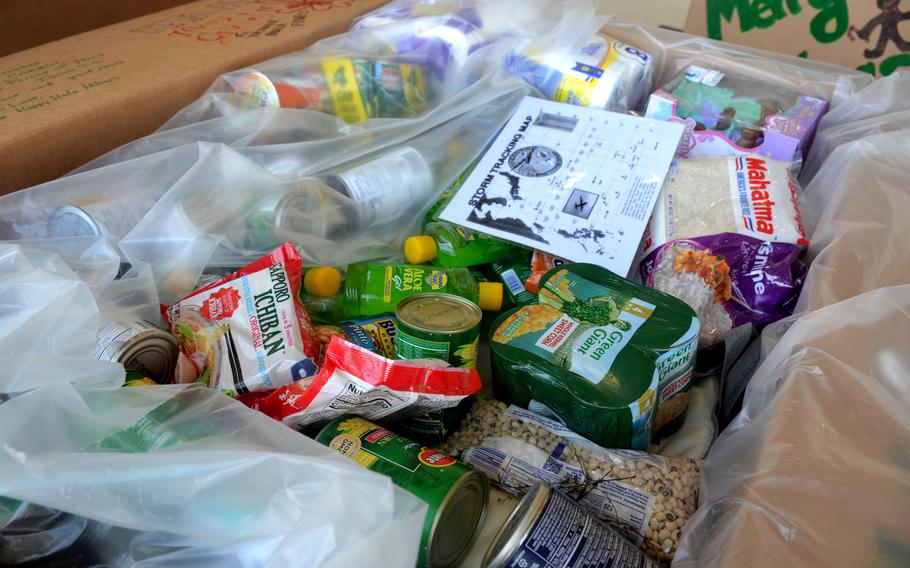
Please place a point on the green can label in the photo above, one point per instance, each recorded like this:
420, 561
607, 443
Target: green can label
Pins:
411, 347
426, 473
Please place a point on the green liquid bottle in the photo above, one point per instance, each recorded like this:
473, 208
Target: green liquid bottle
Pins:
374, 288
446, 244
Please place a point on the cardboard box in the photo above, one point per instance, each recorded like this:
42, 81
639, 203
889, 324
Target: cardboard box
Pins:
861, 35
27, 23
67, 102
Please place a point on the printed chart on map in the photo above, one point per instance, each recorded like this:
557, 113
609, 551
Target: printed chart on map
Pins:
576, 182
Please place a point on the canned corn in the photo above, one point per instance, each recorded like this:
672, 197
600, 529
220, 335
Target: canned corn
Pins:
456, 494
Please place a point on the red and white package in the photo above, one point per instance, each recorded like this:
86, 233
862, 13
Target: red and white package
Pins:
248, 331
541, 263
356, 381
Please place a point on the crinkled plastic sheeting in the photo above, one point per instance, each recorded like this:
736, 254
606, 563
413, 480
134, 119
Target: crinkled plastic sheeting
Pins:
857, 210
815, 471
185, 476
48, 322
880, 107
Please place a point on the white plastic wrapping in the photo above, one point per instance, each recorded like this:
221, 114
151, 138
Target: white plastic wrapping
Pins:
48, 320
856, 211
403, 59
207, 481
880, 107
814, 470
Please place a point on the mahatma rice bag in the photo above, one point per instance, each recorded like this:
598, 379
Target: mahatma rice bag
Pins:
726, 238
610, 358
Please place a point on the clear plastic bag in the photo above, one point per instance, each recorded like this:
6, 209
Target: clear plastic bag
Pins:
673, 51
396, 62
856, 207
192, 477
813, 472
48, 322
823, 421
159, 208
877, 108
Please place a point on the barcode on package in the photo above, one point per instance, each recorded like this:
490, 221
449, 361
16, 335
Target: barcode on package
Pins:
513, 281
487, 460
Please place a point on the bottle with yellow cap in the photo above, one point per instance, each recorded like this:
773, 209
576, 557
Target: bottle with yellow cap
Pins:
375, 288
445, 244
321, 294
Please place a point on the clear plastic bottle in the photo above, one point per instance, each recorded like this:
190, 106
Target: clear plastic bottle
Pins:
375, 288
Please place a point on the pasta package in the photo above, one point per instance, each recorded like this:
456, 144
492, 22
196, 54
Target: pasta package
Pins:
726, 236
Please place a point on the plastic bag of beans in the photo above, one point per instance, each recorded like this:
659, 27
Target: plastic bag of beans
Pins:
648, 498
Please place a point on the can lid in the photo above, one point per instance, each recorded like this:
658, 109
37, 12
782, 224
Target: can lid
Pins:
71, 221
516, 527
420, 249
459, 521
489, 296
438, 312
324, 281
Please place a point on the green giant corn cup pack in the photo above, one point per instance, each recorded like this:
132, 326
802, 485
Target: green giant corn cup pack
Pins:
610, 358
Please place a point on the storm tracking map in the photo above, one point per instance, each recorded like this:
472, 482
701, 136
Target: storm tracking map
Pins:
576, 182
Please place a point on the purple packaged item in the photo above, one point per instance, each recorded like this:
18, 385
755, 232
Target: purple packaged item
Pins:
726, 237
727, 115
442, 40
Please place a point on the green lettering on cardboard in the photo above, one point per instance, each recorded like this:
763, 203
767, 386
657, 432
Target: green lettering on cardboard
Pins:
867, 68
766, 12
829, 12
890, 64
717, 9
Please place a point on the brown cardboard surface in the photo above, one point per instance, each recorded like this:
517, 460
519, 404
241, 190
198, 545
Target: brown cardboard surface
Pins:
69, 101
27, 23
837, 31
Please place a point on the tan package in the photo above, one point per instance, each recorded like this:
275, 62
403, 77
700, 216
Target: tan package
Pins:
66, 102
815, 471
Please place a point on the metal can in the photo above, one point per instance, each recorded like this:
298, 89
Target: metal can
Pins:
376, 333
139, 346
456, 494
386, 186
313, 209
71, 221
438, 326
548, 528
400, 90
92, 217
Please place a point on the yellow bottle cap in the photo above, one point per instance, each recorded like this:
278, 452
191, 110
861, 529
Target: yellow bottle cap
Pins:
489, 296
322, 281
419, 249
